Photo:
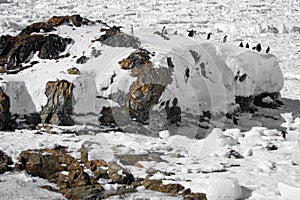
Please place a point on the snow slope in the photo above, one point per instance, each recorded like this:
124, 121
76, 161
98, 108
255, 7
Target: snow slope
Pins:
260, 170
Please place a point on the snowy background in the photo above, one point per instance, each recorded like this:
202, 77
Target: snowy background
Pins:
261, 174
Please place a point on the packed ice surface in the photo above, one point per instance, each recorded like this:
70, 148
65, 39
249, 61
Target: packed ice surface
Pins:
261, 174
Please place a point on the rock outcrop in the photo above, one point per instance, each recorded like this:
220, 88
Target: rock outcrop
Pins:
63, 170
58, 109
115, 38
5, 162
16, 50
149, 86
73, 71
5, 114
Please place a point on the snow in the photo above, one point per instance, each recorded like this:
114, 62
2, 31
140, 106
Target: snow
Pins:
223, 189
254, 177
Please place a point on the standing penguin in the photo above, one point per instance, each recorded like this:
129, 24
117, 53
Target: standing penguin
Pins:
241, 44
208, 36
247, 45
132, 30
268, 50
191, 33
225, 39
163, 30
258, 47
187, 73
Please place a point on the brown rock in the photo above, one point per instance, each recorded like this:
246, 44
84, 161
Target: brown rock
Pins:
118, 174
58, 109
5, 161
4, 110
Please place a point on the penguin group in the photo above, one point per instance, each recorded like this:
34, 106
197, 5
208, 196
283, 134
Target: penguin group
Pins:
257, 47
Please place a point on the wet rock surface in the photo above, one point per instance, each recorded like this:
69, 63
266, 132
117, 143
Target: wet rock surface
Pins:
58, 109
5, 114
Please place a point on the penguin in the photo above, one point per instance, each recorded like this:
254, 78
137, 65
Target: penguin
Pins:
208, 36
225, 39
247, 46
268, 50
243, 77
283, 134
253, 48
258, 47
163, 30
235, 120
241, 44
132, 31
187, 73
191, 33
175, 32
116, 28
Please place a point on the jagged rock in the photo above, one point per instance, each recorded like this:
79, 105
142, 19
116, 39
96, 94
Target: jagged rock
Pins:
129, 159
157, 185
274, 102
5, 114
74, 71
233, 154
97, 167
53, 22
82, 60
246, 103
115, 38
51, 163
118, 174
136, 59
53, 46
149, 86
5, 161
14, 51
174, 189
58, 109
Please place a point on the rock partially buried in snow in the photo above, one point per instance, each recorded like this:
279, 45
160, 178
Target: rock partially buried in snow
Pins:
4, 110
164, 134
223, 189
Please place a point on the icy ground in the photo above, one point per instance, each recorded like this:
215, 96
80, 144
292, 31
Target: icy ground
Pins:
200, 165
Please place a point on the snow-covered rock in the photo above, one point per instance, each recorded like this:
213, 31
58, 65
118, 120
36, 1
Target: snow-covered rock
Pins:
223, 189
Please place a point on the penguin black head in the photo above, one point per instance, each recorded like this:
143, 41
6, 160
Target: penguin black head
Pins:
241, 44
258, 47
191, 33
208, 36
225, 38
247, 45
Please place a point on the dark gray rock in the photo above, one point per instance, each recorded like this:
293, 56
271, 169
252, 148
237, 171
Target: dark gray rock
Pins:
5, 114
58, 109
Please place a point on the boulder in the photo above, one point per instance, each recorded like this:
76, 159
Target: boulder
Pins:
5, 161
58, 167
73, 71
115, 38
149, 86
58, 109
5, 114
15, 51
